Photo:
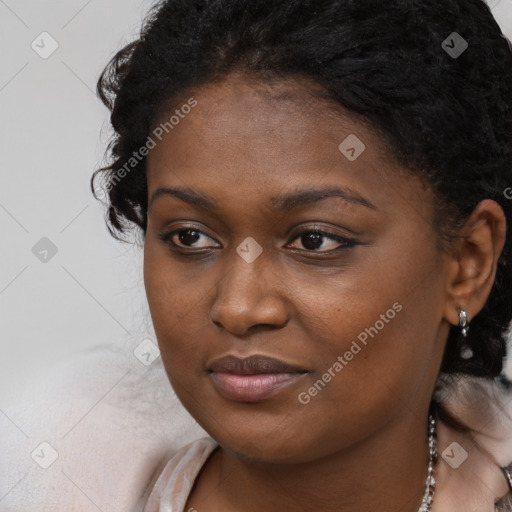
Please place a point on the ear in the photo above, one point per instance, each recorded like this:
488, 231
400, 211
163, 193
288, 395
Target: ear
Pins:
472, 271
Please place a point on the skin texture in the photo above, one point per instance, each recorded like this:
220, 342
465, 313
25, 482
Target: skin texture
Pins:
360, 444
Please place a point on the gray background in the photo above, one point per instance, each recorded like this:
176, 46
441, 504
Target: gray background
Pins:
70, 322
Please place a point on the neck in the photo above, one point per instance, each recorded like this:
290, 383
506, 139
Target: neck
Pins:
386, 472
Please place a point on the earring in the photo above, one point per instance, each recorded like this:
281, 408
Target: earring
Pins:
466, 352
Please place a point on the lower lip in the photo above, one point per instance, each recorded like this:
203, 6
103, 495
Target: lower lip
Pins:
252, 388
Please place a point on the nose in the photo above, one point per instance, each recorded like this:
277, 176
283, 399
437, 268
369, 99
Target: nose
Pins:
250, 297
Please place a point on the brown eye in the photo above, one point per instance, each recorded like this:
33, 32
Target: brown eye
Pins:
313, 240
185, 238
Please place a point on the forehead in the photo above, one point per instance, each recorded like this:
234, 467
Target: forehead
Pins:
250, 135
265, 119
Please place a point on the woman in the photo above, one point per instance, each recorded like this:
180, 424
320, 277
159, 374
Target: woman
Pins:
322, 192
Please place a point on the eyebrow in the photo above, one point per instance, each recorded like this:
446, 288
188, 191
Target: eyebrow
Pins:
279, 202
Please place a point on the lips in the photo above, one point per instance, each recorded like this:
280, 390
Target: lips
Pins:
253, 365
252, 379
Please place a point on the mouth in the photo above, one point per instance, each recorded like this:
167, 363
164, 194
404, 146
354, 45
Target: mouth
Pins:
252, 379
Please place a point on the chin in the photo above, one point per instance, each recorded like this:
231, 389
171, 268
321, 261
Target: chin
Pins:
262, 447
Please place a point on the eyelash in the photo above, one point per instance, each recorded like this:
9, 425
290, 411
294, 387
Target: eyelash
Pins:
346, 242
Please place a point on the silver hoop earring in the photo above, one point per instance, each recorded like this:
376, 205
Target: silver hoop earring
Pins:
466, 352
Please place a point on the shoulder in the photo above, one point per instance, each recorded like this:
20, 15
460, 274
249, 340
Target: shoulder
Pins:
469, 468
468, 478
173, 482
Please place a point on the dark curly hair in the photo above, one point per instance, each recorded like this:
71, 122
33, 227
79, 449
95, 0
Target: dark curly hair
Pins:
446, 118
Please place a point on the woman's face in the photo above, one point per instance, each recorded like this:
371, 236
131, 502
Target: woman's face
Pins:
356, 311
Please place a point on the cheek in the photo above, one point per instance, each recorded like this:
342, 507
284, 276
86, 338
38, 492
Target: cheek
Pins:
382, 321
176, 304
170, 296
371, 366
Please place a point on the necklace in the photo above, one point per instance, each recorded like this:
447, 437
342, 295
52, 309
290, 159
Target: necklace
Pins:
430, 484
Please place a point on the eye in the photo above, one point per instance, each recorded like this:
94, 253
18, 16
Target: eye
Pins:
314, 239
185, 238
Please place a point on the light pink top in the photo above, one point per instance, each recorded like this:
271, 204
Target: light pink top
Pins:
174, 484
